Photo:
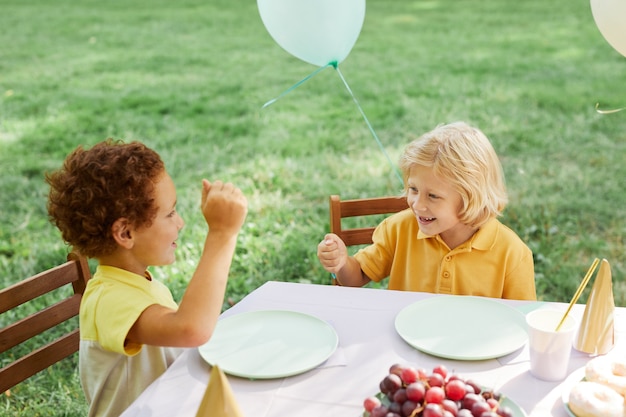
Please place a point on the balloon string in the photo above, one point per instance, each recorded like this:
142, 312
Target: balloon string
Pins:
369, 125
296, 85
607, 111
335, 65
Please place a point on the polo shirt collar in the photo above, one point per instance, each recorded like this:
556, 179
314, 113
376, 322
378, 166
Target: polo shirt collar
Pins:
485, 237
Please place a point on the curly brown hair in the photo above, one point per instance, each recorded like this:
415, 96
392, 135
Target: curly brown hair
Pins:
98, 186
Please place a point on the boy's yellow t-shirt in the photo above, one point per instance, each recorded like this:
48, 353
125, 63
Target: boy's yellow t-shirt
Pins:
494, 262
113, 374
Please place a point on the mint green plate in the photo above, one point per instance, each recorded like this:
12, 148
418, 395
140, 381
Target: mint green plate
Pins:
462, 327
269, 344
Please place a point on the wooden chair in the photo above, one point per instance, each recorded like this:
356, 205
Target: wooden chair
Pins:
340, 209
76, 272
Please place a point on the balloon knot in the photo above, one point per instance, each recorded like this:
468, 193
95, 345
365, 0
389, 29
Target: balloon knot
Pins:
334, 64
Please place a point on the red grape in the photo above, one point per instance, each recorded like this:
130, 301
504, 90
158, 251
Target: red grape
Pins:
435, 395
416, 391
400, 396
408, 407
370, 403
432, 410
450, 406
441, 370
474, 385
464, 412
396, 368
391, 383
380, 411
422, 374
436, 380
455, 389
470, 399
409, 375
453, 377
479, 408
381, 386
395, 408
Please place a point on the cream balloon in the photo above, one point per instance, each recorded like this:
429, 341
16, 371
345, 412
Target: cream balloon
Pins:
319, 32
610, 17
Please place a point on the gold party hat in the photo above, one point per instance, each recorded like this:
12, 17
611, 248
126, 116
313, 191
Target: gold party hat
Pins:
596, 334
218, 400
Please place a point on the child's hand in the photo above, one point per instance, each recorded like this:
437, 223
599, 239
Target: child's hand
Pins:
224, 206
332, 253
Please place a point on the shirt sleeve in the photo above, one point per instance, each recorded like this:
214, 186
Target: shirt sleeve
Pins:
377, 258
114, 317
520, 279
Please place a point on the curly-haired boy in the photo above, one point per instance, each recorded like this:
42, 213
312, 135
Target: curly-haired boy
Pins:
116, 203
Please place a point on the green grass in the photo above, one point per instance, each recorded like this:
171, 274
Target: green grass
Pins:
189, 79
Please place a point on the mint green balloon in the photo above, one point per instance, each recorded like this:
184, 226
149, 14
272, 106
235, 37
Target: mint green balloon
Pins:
319, 32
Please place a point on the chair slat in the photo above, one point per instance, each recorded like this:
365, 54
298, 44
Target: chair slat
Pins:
37, 285
361, 236
38, 360
371, 206
36, 323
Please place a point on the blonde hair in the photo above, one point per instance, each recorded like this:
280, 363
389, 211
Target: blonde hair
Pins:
463, 156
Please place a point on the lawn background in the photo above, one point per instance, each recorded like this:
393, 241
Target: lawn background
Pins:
189, 79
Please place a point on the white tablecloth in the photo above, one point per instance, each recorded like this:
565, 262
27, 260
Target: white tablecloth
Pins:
368, 345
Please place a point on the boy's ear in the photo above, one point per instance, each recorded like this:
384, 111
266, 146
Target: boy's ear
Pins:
123, 233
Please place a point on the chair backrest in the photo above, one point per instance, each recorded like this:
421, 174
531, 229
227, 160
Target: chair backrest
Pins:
340, 209
75, 272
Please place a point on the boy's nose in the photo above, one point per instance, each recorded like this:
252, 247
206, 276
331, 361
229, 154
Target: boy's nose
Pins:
418, 204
